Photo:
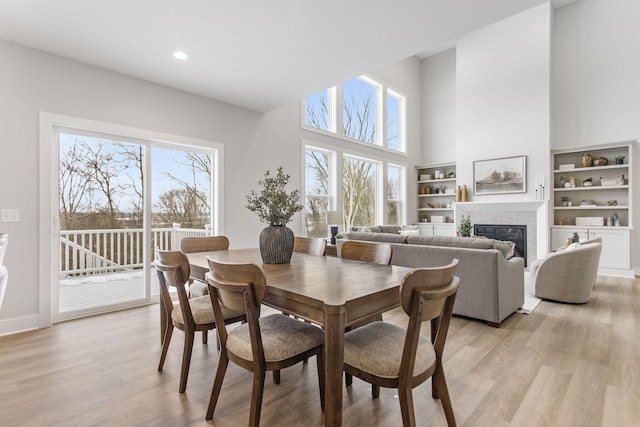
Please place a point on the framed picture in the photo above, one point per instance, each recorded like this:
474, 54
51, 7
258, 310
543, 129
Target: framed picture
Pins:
498, 176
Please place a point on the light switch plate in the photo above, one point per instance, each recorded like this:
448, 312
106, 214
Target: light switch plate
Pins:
9, 215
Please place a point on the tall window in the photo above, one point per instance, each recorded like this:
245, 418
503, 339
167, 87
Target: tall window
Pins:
395, 186
318, 111
395, 113
359, 191
359, 110
318, 171
363, 197
363, 110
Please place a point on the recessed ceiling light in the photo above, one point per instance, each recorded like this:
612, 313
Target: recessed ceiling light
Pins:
180, 55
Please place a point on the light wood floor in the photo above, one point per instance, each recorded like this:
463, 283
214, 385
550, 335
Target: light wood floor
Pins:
562, 365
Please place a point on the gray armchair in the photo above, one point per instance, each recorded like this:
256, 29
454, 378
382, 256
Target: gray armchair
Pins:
567, 275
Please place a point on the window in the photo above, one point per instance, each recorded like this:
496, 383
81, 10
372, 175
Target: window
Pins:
359, 195
360, 110
395, 113
356, 188
395, 189
318, 112
318, 171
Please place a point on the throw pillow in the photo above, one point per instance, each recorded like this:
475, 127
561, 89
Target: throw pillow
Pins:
507, 248
409, 232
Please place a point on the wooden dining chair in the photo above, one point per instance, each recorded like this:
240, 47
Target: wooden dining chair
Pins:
197, 287
386, 355
311, 246
376, 253
262, 344
190, 314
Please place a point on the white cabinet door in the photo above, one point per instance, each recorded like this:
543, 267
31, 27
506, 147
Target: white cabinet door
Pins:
444, 230
615, 248
425, 229
559, 236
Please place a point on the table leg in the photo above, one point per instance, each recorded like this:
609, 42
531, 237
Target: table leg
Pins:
334, 357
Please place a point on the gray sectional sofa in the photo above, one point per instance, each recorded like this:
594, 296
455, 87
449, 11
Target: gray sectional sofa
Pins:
491, 282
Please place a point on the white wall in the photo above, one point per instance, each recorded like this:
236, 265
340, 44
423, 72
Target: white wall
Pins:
503, 99
596, 82
439, 108
31, 82
594, 86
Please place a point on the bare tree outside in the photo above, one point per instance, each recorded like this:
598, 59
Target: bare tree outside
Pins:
101, 186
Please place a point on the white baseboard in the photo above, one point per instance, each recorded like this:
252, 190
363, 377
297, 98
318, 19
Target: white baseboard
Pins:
617, 272
18, 324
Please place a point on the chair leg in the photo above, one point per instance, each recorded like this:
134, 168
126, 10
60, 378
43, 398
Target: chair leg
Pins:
320, 364
276, 376
165, 345
440, 385
375, 391
256, 398
204, 337
186, 360
348, 379
217, 385
405, 396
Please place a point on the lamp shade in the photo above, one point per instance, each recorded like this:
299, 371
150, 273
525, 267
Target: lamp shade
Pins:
334, 217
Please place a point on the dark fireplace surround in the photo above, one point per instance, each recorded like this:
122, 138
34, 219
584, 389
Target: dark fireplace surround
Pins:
512, 233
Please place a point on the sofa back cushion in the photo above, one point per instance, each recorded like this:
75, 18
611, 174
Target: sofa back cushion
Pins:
376, 237
506, 248
450, 241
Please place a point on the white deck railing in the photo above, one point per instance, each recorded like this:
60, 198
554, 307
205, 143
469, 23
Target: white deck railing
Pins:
86, 252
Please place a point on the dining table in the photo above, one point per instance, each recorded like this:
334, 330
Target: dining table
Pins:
331, 292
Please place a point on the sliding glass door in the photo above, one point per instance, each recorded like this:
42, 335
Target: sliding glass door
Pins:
118, 200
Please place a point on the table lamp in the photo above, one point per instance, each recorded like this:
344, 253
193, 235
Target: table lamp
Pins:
333, 219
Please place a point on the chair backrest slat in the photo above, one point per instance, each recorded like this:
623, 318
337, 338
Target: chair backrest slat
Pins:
377, 253
434, 285
311, 246
231, 281
204, 244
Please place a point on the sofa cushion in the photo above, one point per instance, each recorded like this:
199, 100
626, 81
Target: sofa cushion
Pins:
393, 229
376, 237
370, 229
507, 248
449, 241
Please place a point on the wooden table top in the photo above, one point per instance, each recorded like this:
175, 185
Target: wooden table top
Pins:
314, 280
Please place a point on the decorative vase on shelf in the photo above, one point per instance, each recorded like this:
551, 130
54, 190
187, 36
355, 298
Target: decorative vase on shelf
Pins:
587, 160
459, 194
276, 244
465, 194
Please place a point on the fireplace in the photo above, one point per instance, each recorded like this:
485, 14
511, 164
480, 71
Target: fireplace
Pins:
512, 233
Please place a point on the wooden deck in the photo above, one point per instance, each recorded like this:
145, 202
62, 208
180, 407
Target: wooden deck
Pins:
89, 292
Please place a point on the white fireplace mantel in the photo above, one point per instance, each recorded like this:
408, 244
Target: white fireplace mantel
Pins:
532, 213
528, 205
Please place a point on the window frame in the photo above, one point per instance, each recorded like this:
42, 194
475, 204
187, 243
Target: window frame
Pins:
339, 152
383, 91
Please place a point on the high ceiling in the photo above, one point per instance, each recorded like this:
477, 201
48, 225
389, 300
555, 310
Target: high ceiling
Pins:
254, 54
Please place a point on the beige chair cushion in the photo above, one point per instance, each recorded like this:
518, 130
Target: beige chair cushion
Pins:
198, 289
202, 311
282, 338
377, 348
